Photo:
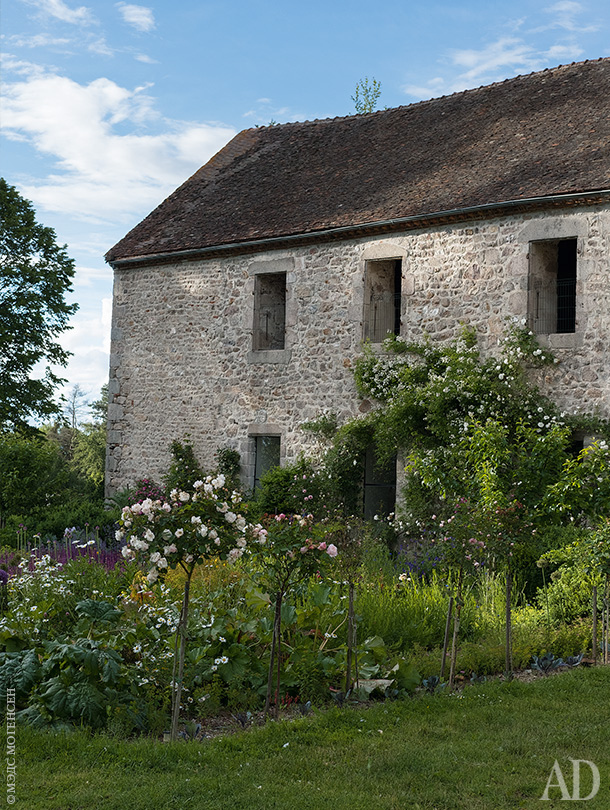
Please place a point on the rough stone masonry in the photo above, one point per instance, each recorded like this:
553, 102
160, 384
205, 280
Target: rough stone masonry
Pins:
183, 362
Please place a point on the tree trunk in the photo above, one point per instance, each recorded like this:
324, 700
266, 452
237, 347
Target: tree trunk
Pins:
177, 683
351, 637
606, 621
456, 627
508, 642
446, 639
274, 641
594, 630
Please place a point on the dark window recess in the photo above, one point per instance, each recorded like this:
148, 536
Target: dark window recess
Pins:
382, 299
552, 287
566, 286
379, 486
576, 446
269, 311
267, 456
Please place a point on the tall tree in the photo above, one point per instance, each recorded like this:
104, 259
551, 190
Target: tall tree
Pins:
75, 404
35, 275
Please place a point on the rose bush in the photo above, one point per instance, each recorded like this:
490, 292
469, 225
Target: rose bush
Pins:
183, 532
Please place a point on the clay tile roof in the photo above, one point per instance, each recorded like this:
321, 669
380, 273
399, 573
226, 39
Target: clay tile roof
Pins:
546, 133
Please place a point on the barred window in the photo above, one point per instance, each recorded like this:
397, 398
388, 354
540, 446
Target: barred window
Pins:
379, 485
382, 299
266, 456
552, 286
269, 312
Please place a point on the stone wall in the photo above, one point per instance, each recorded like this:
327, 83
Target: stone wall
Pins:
182, 361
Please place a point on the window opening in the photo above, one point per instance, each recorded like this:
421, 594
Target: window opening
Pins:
379, 485
552, 306
269, 311
266, 456
382, 299
566, 286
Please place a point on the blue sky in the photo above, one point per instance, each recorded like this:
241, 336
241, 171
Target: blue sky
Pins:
107, 107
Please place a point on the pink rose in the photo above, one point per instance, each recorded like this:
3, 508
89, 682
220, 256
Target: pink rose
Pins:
332, 550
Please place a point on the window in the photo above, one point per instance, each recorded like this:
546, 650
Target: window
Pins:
269, 311
382, 299
379, 486
266, 456
552, 287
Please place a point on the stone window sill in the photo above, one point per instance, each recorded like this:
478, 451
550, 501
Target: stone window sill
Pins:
277, 356
561, 340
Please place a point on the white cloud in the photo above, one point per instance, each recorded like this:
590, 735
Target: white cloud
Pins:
506, 53
37, 41
100, 47
88, 276
561, 54
566, 13
58, 9
140, 17
148, 60
507, 56
435, 87
89, 340
99, 174
524, 49
265, 112
21, 67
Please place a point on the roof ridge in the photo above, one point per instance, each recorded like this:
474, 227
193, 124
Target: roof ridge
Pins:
433, 99
526, 137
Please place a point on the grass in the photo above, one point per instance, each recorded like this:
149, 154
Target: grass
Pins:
489, 747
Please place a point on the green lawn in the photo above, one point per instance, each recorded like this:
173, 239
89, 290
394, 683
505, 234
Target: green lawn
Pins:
489, 747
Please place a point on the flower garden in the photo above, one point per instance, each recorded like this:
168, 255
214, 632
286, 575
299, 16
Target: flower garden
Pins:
196, 601
199, 613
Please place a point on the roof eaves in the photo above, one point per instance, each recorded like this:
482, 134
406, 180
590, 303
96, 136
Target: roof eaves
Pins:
593, 197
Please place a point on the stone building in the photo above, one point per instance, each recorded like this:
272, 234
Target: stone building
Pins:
241, 302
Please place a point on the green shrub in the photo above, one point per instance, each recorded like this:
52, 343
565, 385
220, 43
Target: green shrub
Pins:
228, 463
294, 488
184, 469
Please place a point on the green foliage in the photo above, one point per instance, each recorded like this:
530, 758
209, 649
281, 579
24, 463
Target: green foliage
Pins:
52, 479
43, 603
292, 488
32, 473
325, 425
117, 633
485, 655
184, 469
366, 96
228, 463
408, 611
35, 275
583, 565
433, 392
341, 472
583, 489
294, 549
478, 429
19, 671
82, 683
89, 455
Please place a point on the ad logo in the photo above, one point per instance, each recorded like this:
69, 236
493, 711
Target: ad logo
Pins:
560, 782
